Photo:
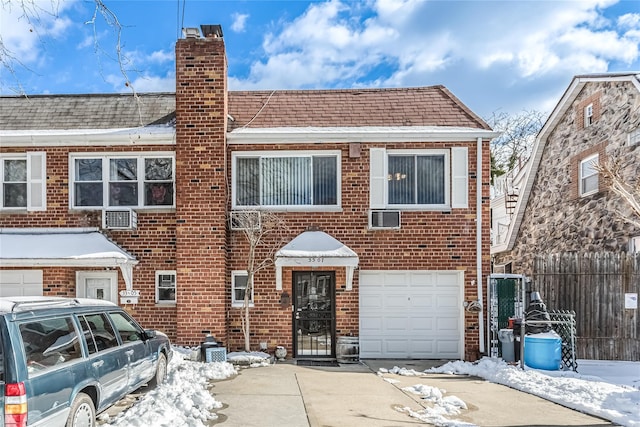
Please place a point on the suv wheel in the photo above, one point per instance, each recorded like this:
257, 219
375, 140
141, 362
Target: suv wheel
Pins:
161, 371
82, 414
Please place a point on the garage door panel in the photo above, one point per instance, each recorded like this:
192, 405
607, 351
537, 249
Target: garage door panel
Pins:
396, 302
15, 283
421, 280
416, 314
421, 324
392, 324
372, 302
395, 279
422, 302
371, 323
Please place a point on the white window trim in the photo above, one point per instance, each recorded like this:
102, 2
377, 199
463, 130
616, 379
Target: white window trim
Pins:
581, 178
36, 180
447, 180
157, 287
140, 156
289, 153
588, 115
234, 302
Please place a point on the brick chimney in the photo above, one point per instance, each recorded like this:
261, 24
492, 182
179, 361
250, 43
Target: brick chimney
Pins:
201, 122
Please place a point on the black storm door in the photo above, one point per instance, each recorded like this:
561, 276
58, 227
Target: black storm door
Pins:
314, 314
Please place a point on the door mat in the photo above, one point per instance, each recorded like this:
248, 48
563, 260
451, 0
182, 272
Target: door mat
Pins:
304, 362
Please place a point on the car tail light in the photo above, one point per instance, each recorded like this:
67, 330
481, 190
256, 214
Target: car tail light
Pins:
15, 405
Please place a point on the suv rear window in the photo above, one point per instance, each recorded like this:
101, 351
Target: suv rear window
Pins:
49, 342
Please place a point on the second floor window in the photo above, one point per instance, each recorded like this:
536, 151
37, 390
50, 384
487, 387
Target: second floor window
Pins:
416, 179
14, 183
588, 176
23, 181
132, 181
286, 180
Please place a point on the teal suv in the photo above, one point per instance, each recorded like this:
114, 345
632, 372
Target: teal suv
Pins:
62, 361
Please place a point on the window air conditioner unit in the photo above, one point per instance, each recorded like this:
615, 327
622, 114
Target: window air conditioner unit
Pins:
245, 220
384, 220
119, 219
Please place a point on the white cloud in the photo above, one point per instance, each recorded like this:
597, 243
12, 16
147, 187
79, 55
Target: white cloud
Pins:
161, 56
239, 22
418, 42
629, 20
24, 26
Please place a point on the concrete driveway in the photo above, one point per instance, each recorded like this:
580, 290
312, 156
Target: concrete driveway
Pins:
355, 395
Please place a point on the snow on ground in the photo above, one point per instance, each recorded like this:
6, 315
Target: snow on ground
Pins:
182, 401
606, 389
595, 390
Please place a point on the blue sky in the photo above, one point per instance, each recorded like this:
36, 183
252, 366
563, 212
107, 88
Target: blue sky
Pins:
496, 56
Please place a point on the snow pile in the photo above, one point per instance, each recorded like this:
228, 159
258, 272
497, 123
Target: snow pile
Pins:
442, 406
617, 403
254, 359
183, 400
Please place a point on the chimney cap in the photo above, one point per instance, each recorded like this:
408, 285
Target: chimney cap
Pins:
212, 30
191, 33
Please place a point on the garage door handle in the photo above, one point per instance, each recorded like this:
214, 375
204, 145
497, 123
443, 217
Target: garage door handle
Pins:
98, 364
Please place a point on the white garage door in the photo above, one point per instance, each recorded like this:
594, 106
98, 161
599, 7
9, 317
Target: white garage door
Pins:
411, 314
18, 283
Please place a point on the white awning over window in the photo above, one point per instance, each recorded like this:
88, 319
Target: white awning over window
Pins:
316, 249
63, 247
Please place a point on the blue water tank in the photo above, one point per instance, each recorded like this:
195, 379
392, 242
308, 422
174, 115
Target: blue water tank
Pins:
543, 351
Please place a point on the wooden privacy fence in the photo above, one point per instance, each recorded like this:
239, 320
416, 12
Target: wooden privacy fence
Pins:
594, 285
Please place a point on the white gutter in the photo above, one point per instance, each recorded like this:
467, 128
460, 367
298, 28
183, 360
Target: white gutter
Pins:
296, 135
479, 243
149, 135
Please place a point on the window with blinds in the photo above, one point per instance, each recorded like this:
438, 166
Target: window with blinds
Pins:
286, 179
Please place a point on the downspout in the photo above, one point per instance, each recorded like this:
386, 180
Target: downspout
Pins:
479, 243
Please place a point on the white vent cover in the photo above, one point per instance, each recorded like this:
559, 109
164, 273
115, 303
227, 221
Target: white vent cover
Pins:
119, 219
384, 219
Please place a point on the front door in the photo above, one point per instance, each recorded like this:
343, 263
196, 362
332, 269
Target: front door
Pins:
98, 285
314, 314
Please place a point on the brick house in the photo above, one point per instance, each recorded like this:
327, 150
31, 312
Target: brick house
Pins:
384, 194
562, 206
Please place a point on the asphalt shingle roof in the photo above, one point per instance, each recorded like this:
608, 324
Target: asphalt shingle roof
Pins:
105, 111
421, 106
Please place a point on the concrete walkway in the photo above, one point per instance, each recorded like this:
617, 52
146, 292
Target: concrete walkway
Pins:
354, 395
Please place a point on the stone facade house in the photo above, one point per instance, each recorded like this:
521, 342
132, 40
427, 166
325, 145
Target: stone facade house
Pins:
563, 206
384, 194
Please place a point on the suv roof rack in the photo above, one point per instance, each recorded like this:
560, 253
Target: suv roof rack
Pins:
15, 304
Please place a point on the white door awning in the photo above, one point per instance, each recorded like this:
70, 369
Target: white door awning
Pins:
63, 247
316, 249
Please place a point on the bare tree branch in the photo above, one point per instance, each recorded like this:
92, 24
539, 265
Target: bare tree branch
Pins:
264, 232
610, 172
514, 146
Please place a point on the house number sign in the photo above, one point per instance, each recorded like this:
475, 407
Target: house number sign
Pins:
315, 260
129, 296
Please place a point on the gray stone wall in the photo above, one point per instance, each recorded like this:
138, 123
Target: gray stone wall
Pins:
557, 219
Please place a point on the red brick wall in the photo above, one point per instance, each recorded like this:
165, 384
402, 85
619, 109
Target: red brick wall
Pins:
427, 240
152, 243
201, 115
